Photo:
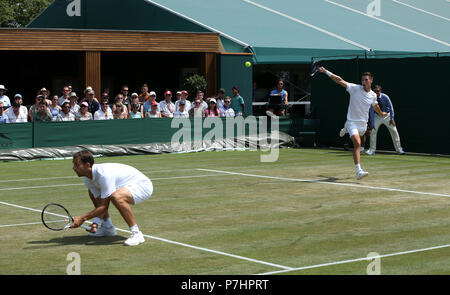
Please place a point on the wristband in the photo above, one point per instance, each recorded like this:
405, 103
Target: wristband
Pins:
328, 73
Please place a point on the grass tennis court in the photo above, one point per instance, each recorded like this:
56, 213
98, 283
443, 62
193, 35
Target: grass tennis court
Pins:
228, 213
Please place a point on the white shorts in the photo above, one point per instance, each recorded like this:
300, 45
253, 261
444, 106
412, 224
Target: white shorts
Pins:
140, 191
355, 127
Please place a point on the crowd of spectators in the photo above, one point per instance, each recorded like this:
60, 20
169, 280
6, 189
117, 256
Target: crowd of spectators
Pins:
71, 107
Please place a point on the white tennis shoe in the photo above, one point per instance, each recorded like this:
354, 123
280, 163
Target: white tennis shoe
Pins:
342, 132
104, 232
360, 174
370, 152
135, 239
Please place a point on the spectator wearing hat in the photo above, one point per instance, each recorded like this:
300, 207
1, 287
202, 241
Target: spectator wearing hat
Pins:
22, 109
93, 104
3, 97
54, 108
65, 114
104, 113
74, 106
148, 104
3, 117
83, 114
183, 97
212, 110
17, 113
154, 112
65, 95
135, 112
181, 112
220, 97
46, 94
167, 107
42, 115
135, 100
226, 110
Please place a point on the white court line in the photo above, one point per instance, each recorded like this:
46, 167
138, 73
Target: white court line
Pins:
390, 23
79, 184
309, 25
29, 223
179, 244
356, 260
421, 10
327, 182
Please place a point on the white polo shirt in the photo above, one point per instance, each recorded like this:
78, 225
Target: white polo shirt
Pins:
109, 177
360, 102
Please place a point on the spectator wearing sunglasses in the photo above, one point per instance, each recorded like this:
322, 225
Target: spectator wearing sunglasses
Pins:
212, 110
104, 113
154, 113
197, 110
54, 108
83, 114
226, 110
65, 114
181, 112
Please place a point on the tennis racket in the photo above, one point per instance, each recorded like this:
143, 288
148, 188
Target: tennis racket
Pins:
56, 217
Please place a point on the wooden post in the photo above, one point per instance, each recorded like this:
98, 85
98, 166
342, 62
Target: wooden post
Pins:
209, 65
92, 71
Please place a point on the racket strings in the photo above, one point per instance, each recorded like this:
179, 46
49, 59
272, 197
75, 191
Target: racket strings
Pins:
55, 217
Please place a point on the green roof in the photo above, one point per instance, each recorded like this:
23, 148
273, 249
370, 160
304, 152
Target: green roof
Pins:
285, 31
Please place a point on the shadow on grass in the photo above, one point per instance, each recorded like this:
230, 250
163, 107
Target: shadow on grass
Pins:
76, 240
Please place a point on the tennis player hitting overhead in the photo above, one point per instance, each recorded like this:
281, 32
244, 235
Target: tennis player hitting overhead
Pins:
121, 184
361, 98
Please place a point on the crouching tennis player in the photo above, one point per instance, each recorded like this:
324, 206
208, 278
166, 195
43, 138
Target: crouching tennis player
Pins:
121, 184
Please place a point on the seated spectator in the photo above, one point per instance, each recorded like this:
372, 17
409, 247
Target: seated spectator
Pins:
154, 113
3, 117
197, 110
167, 107
220, 97
212, 110
148, 104
83, 114
93, 104
201, 95
226, 110
74, 106
42, 115
54, 108
184, 97
135, 100
104, 113
181, 112
3, 97
34, 108
65, 95
17, 113
119, 111
126, 97
65, 115
46, 94
134, 112
119, 100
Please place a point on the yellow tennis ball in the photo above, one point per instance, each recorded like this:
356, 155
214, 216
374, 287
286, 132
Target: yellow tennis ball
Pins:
248, 64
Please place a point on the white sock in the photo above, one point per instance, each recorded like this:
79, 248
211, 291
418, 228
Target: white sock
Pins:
358, 167
107, 222
134, 228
